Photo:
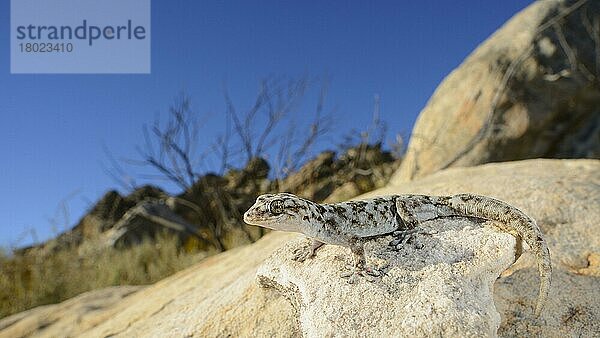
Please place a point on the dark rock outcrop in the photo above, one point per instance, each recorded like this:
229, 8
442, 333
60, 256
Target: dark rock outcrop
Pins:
208, 215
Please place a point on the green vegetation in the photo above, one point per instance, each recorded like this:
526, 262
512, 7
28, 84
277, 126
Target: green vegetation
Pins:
27, 281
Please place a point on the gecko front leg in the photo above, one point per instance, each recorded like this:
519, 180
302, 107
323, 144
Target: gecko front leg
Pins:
303, 253
360, 261
404, 236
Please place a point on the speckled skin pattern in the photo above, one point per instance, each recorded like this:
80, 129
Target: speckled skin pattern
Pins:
351, 224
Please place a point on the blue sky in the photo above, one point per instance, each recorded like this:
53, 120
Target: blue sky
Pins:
53, 127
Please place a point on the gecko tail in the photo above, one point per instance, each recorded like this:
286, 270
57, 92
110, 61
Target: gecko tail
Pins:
516, 223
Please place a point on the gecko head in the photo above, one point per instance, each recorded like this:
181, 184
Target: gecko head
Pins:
281, 211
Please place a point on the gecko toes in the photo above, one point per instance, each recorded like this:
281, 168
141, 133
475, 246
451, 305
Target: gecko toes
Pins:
402, 240
346, 274
301, 254
372, 272
395, 242
369, 274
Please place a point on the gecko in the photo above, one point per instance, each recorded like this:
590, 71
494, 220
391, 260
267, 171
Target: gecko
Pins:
352, 224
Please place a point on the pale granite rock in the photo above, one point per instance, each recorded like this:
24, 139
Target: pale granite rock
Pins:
66, 319
438, 285
215, 298
563, 196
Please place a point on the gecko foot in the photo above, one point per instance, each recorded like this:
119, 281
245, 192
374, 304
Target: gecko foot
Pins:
402, 238
303, 253
368, 273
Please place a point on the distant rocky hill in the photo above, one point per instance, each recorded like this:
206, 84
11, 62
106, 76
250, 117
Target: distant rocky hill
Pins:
209, 212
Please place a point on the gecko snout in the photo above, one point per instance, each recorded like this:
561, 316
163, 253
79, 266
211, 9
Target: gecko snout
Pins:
252, 215
248, 216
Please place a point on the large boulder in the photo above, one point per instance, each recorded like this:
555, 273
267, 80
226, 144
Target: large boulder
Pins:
222, 296
438, 285
531, 90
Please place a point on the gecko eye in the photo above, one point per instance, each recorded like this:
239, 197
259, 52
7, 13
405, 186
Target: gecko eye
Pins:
276, 207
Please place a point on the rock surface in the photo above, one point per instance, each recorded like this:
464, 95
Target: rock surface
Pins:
531, 90
220, 296
438, 285
68, 318
216, 298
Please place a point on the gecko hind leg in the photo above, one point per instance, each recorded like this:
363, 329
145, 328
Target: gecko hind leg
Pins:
403, 237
